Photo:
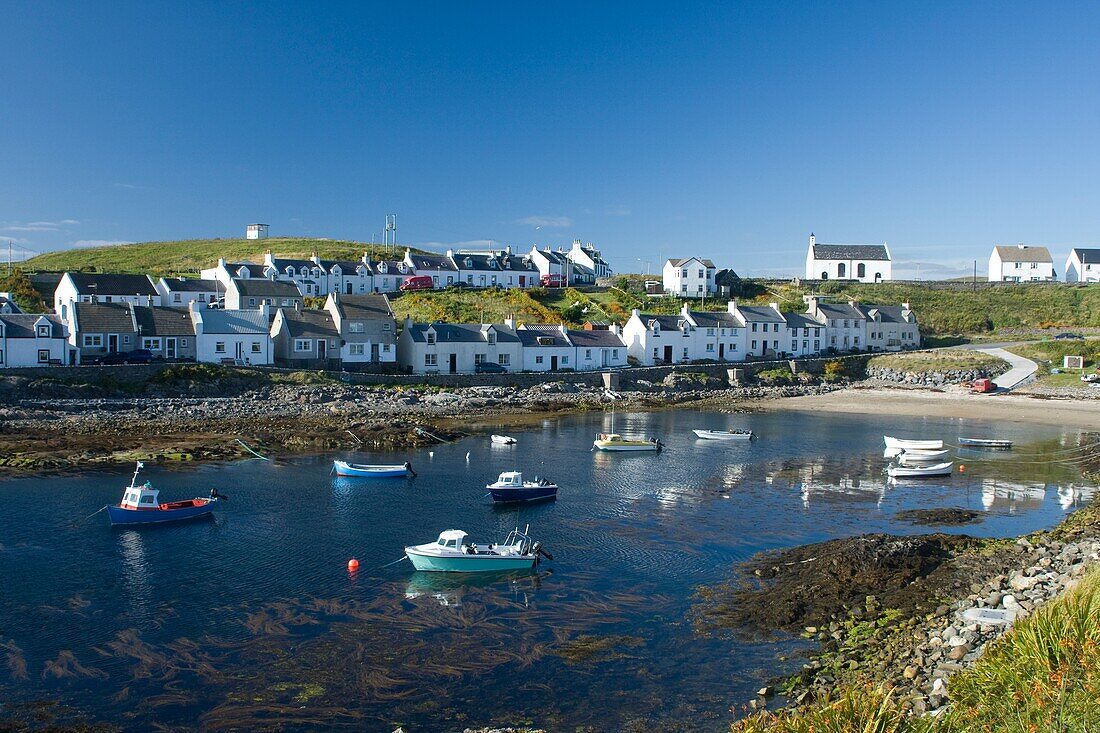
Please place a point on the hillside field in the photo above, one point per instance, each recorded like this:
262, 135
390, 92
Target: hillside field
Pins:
187, 257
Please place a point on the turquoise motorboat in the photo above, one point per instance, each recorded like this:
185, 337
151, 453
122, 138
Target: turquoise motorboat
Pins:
451, 553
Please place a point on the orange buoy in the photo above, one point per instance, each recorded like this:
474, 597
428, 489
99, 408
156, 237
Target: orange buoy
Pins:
962, 469
353, 564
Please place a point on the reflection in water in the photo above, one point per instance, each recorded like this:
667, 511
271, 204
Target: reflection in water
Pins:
826, 480
135, 572
1010, 495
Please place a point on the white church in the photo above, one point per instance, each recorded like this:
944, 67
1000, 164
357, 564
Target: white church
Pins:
865, 263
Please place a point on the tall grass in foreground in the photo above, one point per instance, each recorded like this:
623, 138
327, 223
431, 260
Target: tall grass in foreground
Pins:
1042, 677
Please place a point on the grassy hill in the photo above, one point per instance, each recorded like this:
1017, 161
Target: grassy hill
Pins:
188, 256
477, 306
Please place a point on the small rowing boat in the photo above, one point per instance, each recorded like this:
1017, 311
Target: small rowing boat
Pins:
915, 458
502, 439
724, 434
451, 553
510, 487
616, 442
365, 470
985, 443
902, 444
141, 505
937, 469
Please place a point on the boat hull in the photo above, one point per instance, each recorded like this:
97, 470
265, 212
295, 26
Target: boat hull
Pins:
622, 447
351, 470
120, 516
503, 440
507, 495
712, 435
943, 469
468, 563
983, 443
912, 444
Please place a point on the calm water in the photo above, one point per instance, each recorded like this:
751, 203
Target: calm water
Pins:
254, 617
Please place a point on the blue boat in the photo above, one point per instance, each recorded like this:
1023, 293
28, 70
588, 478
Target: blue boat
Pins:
141, 505
510, 487
365, 470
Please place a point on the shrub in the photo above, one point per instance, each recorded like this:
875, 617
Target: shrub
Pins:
834, 370
775, 376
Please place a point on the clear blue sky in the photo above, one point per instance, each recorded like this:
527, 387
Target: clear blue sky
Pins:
730, 131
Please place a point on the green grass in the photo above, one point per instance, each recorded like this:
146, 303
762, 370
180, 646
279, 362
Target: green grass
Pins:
1044, 675
187, 257
491, 305
1052, 351
923, 361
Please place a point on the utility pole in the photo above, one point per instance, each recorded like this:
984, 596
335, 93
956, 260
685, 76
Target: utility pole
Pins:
974, 280
9, 258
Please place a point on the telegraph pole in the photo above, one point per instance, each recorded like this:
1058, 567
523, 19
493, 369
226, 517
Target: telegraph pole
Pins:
9, 258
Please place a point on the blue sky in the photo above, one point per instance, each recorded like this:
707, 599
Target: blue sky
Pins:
729, 130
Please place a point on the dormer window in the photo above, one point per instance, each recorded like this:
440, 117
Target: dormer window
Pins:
468, 263
383, 267
44, 331
544, 341
430, 337
491, 338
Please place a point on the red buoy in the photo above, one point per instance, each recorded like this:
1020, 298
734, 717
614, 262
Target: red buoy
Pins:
962, 469
353, 565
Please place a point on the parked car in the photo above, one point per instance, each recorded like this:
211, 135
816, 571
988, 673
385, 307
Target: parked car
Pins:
1067, 336
552, 280
458, 284
137, 356
490, 367
417, 282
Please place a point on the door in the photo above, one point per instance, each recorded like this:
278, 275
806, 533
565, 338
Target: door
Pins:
322, 349
239, 353
169, 348
349, 287
553, 363
454, 363
668, 354
721, 352
112, 342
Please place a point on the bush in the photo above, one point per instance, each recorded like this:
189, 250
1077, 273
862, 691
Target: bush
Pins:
834, 370
775, 376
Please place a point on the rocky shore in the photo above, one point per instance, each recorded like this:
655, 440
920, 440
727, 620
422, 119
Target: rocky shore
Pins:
934, 378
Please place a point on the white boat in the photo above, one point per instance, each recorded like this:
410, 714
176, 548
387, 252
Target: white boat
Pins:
365, 470
936, 469
502, 439
985, 443
925, 455
903, 444
724, 434
451, 553
616, 442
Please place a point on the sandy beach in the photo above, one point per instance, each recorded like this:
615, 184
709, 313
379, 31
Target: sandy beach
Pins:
1020, 408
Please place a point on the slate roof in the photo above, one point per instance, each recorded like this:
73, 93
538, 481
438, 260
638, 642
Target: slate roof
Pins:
309, 324
432, 262
558, 258
11, 304
517, 263
22, 325
281, 264
716, 319
394, 267
230, 322
1026, 253
683, 261
885, 313
348, 266
667, 322
92, 283
760, 314
462, 332
188, 285
364, 307
726, 277
104, 318
595, 339
262, 287
840, 310
851, 252
530, 335
478, 261
801, 320
1086, 256
157, 321
45, 283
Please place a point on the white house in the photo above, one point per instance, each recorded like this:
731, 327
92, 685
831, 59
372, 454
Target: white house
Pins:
368, 329
867, 263
690, 277
258, 291
307, 275
477, 269
597, 349
346, 276
90, 287
232, 336
517, 270
256, 231
805, 334
552, 263
457, 348
546, 348
440, 268
224, 271
178, 292
588, 256
659, 339
1083, 265
1022, 263
846, 325
766, 332
33, 339
890, 327
389, 274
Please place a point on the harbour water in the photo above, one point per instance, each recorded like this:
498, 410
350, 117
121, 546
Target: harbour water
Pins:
252, 619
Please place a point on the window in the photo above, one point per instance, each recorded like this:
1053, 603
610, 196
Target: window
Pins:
817, 345
1, 356
538, 359
303, 345
655, 353
287, 302
614, 353
588, 354
355, 349
430, 360
754, 325
385, 348
251, 302
356, 327
805, 345
565, 360
479, 358
817, 332
151, 344
683, 273
492, 338
841, 270
43, 356
794, 346
126, 339
183, 342
684, 288
710, 347
861, 270
805, 332
702, 274
175, 297
1017, 265
44, 331
733, 347
219, 347
775, 345
685, 352
1034, 265
754, 344
430, 337
503, 359
93, 340
255, 347
710, 332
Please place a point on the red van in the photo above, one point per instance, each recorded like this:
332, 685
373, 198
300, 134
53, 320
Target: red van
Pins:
552, 280
417, 282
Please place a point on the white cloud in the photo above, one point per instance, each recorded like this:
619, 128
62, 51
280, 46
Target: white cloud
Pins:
37, 226
620, 210
546, 221
131, 187
88, 243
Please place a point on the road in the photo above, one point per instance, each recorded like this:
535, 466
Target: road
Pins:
1021, 370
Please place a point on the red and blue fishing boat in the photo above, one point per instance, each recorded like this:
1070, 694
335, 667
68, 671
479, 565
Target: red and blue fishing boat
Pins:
141, 505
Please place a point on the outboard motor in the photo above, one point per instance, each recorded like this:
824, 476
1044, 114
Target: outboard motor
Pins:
537, 550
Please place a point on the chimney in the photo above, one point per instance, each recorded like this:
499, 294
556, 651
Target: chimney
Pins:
265, 309
221, 262
731, 306
510, 322
811, 304
634, 312
298, 306
196, 305
685, 311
